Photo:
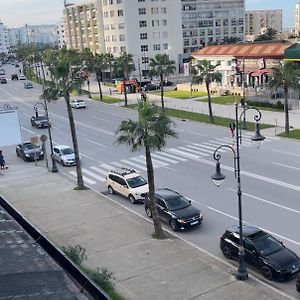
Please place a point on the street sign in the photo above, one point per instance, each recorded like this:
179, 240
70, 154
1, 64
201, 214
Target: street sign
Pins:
34, 140
43, 138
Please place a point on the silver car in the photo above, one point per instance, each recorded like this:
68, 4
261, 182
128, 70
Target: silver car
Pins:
64, 154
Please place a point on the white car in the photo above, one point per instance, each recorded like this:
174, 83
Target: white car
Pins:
22, 77
78, 104
128, 183
64, 154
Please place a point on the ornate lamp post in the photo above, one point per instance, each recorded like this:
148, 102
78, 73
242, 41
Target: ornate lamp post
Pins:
218, 178
44, 105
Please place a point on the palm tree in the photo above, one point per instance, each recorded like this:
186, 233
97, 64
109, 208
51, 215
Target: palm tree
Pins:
205, 72
64, 82
124, 64
99, 66
269, 35
285, 75
161, 66
88, 58
149, 132
109, 61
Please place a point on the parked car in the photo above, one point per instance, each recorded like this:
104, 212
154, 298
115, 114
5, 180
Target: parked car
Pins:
22, 77
17, 65
298, 284
128, 183
262, 252
64, 154
78, 104
174, 209
14, 77
3, 80
29, 152
150, 87
28, 85
40, 121
2, 72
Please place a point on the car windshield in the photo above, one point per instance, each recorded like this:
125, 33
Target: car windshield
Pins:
177, 202
136, 181
67, 151
30, 146
267, 245
41, 118
80, 101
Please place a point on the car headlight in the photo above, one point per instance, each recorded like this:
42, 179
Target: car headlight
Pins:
181, 221
27, 155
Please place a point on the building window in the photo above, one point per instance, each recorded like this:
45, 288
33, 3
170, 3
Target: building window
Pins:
119, 1
141, 0
112, 13
120, 12
115, 49
154, 10
121, 37
121, 25
113, 38
155, 23
142, 11
111, 2
163, 10
144, 48
143, 36
165, 46
156, 47
186, 42
122, 49
143, 23
113, 26
145, 59
164, 22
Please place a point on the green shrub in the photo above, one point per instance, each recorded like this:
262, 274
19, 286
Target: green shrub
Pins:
278, 105
75, 253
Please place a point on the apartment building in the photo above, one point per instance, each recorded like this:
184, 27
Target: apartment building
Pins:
297, 18
4, 41
257, 22
210, 22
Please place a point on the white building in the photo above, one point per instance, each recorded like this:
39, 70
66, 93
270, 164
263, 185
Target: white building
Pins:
61, 34
4, 40
208, 22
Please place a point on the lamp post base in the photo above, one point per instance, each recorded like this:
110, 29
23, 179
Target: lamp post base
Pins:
241, 274
54, 167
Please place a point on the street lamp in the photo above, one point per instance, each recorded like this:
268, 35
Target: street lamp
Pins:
44, 105
218, 178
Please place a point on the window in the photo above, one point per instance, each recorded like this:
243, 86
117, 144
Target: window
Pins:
112, 13
155, 23
154, 10
142, 11
121, 25
163, 10
119, 1
120, 12
145, 60
165, 46
143, 23
164, 22
144, 48
113, 38
121, 37
122, 49
113, 26
156, 47
111, 2
143, 36
141, 0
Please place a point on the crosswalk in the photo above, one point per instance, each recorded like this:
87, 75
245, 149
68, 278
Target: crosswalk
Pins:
161, 159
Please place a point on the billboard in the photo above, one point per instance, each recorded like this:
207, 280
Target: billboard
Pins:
10, 129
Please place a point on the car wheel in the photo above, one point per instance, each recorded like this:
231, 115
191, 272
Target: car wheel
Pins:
173, 224
110, 190
132, 199
148, 212
17, 153
227, 252
62, 162
267, 272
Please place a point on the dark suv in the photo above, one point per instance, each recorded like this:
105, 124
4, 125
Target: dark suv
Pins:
40, 121
14, 77
174, 209
29, 151
262, 252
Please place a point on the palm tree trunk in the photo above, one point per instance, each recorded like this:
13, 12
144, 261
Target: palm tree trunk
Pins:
80, 184
211, 117
286, 111
159, 233
99, 86
162, 92
125, 93
43, 72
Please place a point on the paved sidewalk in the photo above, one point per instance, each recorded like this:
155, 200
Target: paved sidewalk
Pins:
115, 238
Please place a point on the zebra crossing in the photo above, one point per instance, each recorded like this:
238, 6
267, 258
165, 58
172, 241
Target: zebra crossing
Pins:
161, 159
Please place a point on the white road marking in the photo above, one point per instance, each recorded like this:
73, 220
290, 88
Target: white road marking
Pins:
128, 162
164, 158
172, 156
89, 181
155, 161
286, 166
99, 170
28, 130
100, 178
211, 148
100, 119
96, 143
86, 156
182, 153
284, 152
202, 153
108, 167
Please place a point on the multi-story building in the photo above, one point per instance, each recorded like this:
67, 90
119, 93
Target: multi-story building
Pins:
258, 21
4, 41
210, 22
297, 18
61, 34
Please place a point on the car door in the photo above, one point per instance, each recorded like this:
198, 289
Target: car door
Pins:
251, 254
123, 187
162, 209
56, 154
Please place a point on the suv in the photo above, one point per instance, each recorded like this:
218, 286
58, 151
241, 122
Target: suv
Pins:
128, 183
174, 209
14, 77
40, 121
262, 252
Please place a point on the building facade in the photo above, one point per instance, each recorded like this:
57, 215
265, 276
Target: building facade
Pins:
208, 22
4, 40
257, 22
297, 18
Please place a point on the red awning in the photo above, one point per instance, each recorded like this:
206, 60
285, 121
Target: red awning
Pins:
260, 72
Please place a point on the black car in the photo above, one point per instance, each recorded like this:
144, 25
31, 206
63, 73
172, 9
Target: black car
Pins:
14, 77
262, 252
150, 87
3, 81
174, 209
40, 121
298, 284
29, 151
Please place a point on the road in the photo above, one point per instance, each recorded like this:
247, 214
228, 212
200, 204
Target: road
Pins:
270, 174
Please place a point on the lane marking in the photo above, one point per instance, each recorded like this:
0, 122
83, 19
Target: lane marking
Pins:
98, 177
99, 170
286, 166
184, 154
127, 162
28, 130
101, 119
172, 156
89, 181
202, 153
86, 156
284, 152
164, 158
96, 143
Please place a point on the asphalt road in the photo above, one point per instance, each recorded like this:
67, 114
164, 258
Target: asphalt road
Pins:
270, 174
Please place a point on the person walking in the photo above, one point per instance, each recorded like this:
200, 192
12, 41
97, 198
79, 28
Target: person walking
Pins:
2, 161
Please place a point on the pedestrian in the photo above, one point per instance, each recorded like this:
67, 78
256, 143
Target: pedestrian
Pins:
2, 161
20, 71
110, 91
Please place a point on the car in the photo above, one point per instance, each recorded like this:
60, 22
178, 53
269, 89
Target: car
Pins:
2, 72
17, 65
3, 80
128, 183
262, 252
298, 284
29, 152
40, 121
14, 77
78, 104
22, 77
64, 154
174, 209
150, 87
28, 85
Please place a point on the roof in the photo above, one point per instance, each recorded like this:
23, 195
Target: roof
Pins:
166, 193
292, 53
248, 50
26, 270
247, 230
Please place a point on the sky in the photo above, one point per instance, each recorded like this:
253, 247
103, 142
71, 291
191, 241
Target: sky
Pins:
17, 13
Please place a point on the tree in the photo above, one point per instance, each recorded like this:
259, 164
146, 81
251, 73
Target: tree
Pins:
109, 61
149, 132
99, 66
269, 35
231, 40
64, 71
125, 65
161, 66
285, 75
205, 72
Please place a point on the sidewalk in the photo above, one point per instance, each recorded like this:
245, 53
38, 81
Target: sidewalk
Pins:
115, 238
